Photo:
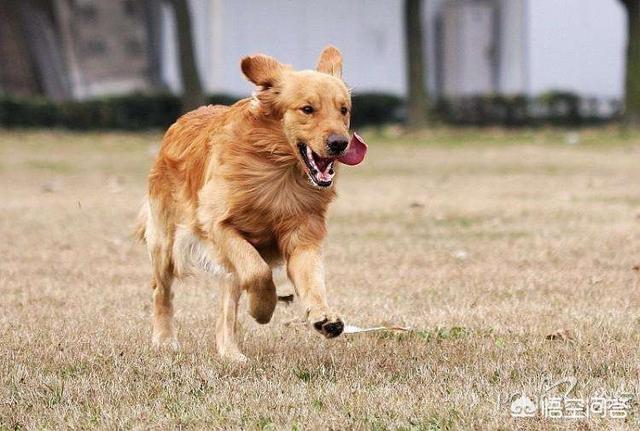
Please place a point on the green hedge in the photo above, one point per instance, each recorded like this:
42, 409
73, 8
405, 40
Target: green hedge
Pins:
559, 108
139, 112
375, 109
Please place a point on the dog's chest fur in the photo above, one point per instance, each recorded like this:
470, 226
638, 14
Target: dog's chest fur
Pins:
277, 204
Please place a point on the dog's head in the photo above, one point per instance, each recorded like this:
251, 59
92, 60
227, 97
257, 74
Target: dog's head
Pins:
314, 107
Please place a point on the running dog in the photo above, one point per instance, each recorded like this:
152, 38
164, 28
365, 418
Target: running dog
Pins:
238, 190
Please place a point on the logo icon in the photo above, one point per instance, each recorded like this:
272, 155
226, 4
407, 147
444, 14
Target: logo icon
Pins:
564, 406
523, 407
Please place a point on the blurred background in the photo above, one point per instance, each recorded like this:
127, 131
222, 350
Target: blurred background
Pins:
131, 64
497, 214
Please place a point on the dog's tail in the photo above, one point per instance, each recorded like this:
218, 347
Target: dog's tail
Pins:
140, 228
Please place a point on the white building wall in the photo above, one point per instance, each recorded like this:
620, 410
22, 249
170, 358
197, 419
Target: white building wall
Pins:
576, 45
369, 34
431, 11
170, 72
205, 43
513, 64
469, 48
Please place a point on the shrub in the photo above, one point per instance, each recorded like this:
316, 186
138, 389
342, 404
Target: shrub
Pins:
562, 108
376, 109
36, 112
222, 99
143, 111
556, 108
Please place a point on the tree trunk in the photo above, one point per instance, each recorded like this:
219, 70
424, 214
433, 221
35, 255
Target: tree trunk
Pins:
193, 95
417, 103
18, 76
632, 85
153, 21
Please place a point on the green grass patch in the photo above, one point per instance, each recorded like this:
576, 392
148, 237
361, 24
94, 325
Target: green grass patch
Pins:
439, 333
59, 167
604, 137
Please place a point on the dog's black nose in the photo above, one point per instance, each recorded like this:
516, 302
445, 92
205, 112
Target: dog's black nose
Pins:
337, 144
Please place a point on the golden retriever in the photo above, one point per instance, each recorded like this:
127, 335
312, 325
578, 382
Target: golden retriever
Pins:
237, 190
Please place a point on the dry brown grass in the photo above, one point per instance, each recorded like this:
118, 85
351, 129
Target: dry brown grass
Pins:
486, 242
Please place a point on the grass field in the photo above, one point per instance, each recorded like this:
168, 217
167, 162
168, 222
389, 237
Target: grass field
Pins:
512, 255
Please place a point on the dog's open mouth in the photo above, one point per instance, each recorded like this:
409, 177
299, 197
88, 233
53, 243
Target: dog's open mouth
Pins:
319, 169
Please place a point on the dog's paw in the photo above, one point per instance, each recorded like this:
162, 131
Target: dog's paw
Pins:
234, 357
165, 342
262, 303
262, 295
330, 326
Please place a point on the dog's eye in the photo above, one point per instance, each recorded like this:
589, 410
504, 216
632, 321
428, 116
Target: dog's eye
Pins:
307, 109
344, 110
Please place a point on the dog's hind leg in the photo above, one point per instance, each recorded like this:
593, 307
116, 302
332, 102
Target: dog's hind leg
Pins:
230, 291
163, 331
159, 238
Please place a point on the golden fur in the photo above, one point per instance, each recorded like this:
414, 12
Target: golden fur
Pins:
228, 192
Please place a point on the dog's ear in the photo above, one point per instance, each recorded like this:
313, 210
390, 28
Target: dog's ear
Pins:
262, 70
330, 61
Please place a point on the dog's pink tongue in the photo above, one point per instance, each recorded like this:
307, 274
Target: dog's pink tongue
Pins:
356, 152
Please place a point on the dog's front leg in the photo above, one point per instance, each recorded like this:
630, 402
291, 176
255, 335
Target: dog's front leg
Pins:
253, 273
306, 272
